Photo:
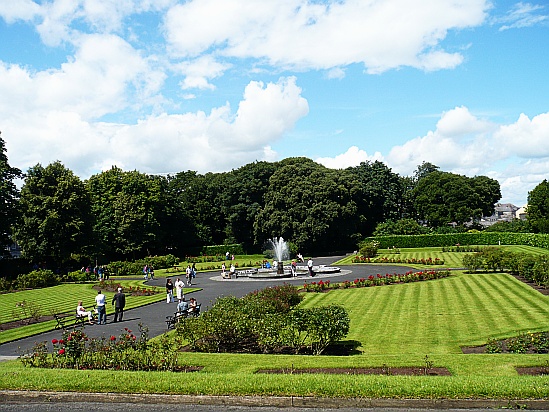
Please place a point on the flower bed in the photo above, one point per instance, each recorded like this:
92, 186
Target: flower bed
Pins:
377, 280
422, 261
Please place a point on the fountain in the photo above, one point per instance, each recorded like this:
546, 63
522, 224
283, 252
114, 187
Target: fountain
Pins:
281, 252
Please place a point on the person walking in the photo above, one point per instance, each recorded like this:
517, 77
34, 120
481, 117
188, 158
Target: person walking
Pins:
100, 301
189, 275
169, 291
179, 285
119, 301
310, 267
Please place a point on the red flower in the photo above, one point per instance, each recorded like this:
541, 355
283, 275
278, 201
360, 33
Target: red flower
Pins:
61, 351
54, 341
61, 341
113, 337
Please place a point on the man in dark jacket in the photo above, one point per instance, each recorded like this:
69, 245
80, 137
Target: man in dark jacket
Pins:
119, 301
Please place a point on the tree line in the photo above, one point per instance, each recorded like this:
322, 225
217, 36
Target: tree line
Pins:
57, 217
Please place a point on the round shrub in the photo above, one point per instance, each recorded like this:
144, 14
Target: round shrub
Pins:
37, 279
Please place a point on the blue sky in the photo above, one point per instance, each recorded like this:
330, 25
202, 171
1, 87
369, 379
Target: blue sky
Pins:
164, 86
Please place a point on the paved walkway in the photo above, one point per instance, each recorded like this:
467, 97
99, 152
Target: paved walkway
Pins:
212, 286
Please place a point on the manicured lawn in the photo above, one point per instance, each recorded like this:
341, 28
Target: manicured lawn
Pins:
439, 316
397, 325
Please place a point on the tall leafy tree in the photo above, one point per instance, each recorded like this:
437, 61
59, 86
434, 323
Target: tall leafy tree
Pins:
381, 195
135, 214
310, 205
243, 199
55, 210
538, 208
9, 196
442, 198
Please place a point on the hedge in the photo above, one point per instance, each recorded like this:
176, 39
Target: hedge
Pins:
233, 249
452, 239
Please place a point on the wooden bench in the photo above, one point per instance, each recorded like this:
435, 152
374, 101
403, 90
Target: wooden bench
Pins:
172, 320
66, 321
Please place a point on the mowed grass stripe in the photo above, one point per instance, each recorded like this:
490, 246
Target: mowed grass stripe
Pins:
518, 296
538, 301
512, 308
436, 316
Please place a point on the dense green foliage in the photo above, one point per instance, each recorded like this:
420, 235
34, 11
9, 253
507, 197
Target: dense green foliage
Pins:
56, 217
538, 207
442, 198
265, 321
9, 196
452, 239
534, 268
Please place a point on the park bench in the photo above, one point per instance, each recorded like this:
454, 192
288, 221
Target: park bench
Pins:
172, 320
65, 321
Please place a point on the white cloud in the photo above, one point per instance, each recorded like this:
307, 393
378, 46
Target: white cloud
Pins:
302, 35
352, 157
525, 138
12, 10
217, 141
198, 72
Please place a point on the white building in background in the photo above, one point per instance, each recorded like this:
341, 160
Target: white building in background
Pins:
521, 213
503, 212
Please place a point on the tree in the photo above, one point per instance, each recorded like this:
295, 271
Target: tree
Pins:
400, 227
382, 195
441, 198
243, 199
55, 209
135, 214
9, 196
538, 208
310, 205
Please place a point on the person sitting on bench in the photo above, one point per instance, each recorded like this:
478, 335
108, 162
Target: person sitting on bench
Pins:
193, 307
81, 312
182, 308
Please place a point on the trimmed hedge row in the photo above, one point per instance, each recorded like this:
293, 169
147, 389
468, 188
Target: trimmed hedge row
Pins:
233, 249
452, 239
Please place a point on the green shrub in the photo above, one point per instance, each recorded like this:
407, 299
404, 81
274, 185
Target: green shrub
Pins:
473, 262
37, 279
5, 285
264, 321
123, 268
368, 249
159, 262
453, 239
79, 276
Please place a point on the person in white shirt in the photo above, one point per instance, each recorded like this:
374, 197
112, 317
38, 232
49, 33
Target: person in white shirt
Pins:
179, 285
100, 301
81, 311
310, 267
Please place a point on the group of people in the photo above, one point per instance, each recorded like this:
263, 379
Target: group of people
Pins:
185, 308
148, 272
118, 300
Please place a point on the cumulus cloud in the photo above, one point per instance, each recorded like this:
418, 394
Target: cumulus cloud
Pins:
516, 154
311, 35
352, 157
214, 141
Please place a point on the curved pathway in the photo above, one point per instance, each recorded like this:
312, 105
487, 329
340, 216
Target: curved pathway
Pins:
212, 286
